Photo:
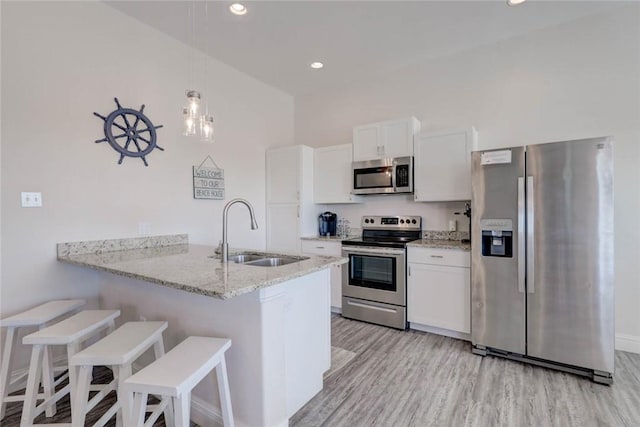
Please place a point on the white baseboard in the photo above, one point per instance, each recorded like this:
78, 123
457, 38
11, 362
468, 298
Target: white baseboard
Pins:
336, 310
628, 343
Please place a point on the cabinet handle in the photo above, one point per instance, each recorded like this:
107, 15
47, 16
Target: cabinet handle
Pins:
409, 270
437, 256
319, 247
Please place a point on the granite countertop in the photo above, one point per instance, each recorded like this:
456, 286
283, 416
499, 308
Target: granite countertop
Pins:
330, 238
171, 261
440, 244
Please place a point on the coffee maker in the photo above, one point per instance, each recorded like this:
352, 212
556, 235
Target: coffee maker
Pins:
327, 224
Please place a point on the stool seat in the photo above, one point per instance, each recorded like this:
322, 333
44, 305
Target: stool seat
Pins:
43, 313
122, 346
181, 368
175, 374
73, 329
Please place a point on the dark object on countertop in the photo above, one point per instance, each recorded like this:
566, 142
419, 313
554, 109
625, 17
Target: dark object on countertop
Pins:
467, 213
327, 224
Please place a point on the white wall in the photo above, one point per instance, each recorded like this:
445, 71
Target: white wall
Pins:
61, 62
574, 80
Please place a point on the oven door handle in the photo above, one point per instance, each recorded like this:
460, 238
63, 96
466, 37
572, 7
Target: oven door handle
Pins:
364, 250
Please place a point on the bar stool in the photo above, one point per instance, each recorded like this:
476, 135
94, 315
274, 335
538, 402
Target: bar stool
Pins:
40, 317
176, 374
118, 350
71, 332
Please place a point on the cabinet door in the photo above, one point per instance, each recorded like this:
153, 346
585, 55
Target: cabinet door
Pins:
442, 166
439, 296
282, 175
282, 228
366, 142
332, 175
397, 137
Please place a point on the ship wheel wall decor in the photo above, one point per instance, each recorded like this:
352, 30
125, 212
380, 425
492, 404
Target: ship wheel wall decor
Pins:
129, 132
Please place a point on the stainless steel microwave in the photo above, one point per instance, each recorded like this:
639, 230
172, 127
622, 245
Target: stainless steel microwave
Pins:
383, 176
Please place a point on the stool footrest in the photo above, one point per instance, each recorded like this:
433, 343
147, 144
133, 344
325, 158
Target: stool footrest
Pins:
43, 406
103, 390
156, 410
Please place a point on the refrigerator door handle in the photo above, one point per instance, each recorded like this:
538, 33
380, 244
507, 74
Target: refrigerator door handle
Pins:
521, 235
530, 237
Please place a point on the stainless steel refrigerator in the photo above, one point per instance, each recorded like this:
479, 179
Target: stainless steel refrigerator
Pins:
542, 272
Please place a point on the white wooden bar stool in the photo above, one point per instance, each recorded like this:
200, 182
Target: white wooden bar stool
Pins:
118, 350
40, 317
71, 332
176, 374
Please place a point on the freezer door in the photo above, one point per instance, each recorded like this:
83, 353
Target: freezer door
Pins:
570, 277
497, 294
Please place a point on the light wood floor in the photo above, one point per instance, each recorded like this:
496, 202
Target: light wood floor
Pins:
391, 378
413, 378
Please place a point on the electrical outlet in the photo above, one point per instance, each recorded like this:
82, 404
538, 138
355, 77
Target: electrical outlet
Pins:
31, 199
453, 225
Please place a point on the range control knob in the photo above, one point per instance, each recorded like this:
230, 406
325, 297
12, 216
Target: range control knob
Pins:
413, 221
402, 221
366, 220
372, 220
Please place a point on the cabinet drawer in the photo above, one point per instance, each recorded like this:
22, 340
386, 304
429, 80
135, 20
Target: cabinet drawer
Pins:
450, 257
319, 247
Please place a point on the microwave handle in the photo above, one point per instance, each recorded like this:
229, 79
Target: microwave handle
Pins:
394, 171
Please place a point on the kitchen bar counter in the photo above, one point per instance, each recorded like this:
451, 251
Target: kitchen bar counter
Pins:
170, 261
278, 318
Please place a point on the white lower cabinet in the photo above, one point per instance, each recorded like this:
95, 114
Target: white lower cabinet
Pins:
328, 248
439, 295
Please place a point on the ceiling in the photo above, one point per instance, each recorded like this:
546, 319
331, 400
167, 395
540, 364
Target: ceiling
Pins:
356, 40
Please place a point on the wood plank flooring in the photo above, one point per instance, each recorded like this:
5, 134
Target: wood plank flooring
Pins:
413, 378
390, 378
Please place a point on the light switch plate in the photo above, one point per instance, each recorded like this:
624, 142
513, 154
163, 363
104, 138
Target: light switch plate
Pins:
31, 199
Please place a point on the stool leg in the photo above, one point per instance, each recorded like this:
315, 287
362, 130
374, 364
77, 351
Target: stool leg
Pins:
158, 349
72, 349
223, 391
136, 417
9, 342
48, 381
182, 408
33, 382
79, 408
124, 372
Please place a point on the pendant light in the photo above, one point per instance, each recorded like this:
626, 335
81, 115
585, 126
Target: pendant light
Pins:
195, 121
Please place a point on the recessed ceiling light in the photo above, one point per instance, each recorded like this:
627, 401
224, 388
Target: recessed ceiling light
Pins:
515, 2
317, 65
238, 9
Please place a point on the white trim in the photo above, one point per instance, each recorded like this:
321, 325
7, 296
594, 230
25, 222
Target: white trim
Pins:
440, 331
628, 343
205, 414
337, 310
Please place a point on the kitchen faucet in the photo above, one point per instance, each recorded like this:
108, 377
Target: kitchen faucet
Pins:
254, 225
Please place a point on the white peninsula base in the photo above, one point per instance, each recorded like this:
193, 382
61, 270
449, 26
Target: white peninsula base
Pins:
280, 334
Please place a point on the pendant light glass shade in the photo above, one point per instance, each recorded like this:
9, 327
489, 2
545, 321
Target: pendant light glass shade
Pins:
206, 128
189, 128
193, 96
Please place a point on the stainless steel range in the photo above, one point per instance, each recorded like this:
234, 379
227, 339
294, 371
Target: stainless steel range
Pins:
374, 282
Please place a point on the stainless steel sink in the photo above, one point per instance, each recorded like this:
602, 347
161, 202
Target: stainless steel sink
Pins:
275, 261
242, 258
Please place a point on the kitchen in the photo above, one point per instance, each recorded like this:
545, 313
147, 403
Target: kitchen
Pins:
559, 80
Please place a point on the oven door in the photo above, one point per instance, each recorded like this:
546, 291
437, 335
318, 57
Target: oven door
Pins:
375, 274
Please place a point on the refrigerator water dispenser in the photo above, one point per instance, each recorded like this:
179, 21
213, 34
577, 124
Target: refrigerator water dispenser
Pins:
497, 238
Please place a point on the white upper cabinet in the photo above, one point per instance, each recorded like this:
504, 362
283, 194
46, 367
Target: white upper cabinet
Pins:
332, 175
393, 138
442, 165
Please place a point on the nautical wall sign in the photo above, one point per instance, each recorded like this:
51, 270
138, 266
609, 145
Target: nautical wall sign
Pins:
208, 182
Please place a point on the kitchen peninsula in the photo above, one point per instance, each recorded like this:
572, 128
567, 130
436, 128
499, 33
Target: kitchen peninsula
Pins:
278, 318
